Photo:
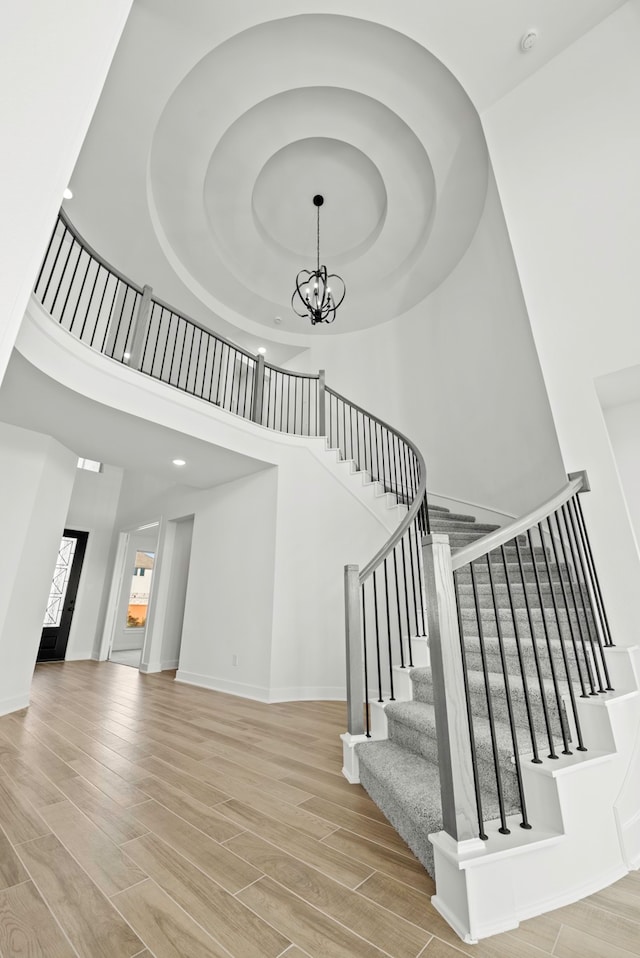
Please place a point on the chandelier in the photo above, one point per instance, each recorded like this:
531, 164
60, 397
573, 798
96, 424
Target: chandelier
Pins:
317, 295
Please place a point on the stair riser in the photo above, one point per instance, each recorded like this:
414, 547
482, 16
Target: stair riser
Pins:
518, 598
423, 742
494, 661
423, 692
544, 624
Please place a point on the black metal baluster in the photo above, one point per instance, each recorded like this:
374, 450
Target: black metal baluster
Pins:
536, 655
472, 735
487, 689
406, 589
507, 690
366, 666
75, 312
375, 611
608, 641
552, 667
400, 642
91, 294
109, 316
213, 373
523, 672
99, 310
386, 598
63, 274
588, 605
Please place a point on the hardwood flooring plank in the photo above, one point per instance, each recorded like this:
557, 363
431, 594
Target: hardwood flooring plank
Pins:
574, 943
241, 932
330, 861
163, 926
200, 816
214, 859
381, 859
108, 782
602, 924
193, 787
294, 816
356, 800
18, 817
27, 927
103, 860
342, 817
621, 899
317, 934
11, 870
380, 927
93, 926
36, 788
115, 821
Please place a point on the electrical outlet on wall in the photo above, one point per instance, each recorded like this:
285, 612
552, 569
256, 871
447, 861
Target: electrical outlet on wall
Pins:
234, 659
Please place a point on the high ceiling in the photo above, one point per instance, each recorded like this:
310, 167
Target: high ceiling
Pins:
220, 121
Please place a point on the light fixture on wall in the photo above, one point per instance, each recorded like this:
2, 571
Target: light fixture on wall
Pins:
317, 295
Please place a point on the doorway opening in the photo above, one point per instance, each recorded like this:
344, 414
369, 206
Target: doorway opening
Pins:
134, 600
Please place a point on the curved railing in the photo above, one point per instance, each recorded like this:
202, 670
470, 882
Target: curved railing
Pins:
384, 602
517, 636
126, 322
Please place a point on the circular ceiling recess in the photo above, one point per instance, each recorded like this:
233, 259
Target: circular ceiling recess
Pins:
262, 122
283, 194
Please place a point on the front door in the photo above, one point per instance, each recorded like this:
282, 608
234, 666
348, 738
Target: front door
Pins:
62, 597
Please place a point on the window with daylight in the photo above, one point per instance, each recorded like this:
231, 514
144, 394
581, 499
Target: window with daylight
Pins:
140, 590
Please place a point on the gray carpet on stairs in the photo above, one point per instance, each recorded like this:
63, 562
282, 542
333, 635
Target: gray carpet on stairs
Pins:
401, 773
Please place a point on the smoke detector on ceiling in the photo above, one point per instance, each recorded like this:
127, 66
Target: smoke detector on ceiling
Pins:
528, 40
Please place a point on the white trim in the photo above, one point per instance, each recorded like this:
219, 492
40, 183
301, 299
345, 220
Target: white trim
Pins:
261, 693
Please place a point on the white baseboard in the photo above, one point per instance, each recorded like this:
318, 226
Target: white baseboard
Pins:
14, 704
223, 685
260, 693
169, 664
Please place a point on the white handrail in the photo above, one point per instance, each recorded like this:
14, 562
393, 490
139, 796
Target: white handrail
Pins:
505, 534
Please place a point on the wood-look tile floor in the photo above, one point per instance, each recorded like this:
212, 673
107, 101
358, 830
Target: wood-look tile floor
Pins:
140, 817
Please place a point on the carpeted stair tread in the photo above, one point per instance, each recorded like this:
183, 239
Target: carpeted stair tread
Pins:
412, 725
406, 788
451, 524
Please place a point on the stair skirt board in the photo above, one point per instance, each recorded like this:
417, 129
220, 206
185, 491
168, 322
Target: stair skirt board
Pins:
574, 847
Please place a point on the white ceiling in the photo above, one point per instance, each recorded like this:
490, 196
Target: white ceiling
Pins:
33, 401
220, 121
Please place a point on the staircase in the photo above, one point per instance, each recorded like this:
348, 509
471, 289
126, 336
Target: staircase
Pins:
500, 625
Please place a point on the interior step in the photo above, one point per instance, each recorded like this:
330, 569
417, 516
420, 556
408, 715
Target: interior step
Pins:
406, 788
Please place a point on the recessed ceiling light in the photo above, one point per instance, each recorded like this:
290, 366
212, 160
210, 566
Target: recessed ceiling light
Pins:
277, 320
179, 462
68, 195
262, 350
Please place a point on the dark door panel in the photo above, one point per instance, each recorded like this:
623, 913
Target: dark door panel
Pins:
62, 598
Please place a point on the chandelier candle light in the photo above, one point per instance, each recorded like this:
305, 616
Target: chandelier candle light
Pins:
317, 295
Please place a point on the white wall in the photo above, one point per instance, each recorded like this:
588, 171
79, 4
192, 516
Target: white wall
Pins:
177, 597
92, 509
623, 425
461, 378
36, 480
565, 146
44, 115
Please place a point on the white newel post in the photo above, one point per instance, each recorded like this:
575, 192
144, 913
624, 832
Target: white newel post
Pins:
355, 674
459, 837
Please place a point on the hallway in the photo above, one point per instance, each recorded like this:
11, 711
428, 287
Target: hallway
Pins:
140, 817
